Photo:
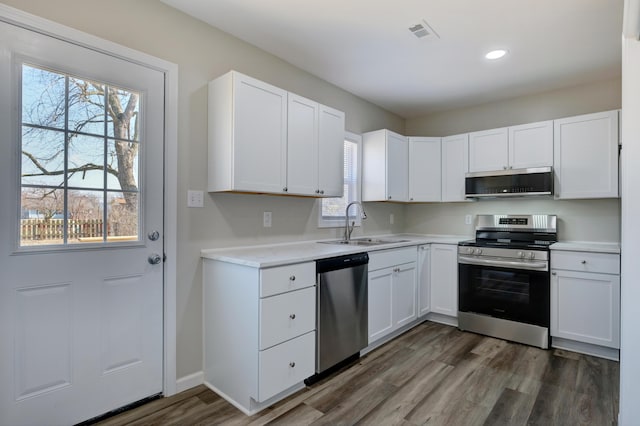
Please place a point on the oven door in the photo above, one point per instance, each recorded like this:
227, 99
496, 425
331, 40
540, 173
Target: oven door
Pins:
504, 292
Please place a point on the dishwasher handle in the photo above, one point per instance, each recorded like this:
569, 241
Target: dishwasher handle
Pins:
341, 262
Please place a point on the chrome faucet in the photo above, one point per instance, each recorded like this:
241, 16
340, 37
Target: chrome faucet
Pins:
349, 229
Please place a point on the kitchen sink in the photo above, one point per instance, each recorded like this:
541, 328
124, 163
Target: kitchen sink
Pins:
364, 241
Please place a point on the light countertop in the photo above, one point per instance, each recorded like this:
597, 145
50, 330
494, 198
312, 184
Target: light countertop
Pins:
265, 256
587, 246
270, 255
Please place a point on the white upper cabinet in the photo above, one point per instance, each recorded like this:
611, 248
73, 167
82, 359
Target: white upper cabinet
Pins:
455, 163
586, 156
302, 151
331, 152
425, 167
531, 145
247, 135
385, 162
266, 140
516, 147
488, 150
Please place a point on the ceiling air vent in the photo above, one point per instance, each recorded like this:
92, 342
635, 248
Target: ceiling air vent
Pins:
423, 30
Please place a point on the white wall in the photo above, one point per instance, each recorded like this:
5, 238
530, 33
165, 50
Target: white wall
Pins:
630, 268
203, 53
583, 99
580, 220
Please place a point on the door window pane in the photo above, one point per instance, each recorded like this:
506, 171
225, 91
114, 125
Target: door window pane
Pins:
79, 170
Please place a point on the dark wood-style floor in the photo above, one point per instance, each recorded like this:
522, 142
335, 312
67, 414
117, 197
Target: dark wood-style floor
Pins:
433, 375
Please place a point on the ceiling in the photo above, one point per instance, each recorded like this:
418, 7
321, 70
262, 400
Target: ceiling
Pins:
366, 48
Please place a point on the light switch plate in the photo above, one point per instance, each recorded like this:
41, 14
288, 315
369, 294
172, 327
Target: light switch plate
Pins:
266, 219
467, 219
195, 198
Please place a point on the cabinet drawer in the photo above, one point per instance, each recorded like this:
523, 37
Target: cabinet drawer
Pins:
286, 316
380, 259
287, 278
603, 263
285, 365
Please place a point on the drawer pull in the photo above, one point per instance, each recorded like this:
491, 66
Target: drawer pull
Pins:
292, 316
554, 273
292, 364
292, 278
583, 262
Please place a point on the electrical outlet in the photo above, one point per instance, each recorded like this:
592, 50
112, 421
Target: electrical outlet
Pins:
266, 219
195, 198
467, 219
391, 218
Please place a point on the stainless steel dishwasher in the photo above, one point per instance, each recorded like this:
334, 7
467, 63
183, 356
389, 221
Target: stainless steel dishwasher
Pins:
342, 322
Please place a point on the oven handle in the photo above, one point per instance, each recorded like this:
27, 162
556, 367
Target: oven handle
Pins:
505, 263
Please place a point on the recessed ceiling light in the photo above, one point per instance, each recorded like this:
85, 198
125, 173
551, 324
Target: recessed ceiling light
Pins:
496, 54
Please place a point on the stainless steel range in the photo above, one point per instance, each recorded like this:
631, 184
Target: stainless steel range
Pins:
503, 278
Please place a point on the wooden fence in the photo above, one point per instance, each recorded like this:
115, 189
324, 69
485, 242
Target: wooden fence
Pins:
53, 229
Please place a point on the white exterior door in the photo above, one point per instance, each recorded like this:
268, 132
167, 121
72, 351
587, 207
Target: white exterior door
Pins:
81, 172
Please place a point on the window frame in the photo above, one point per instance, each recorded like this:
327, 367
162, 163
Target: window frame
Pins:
18, 64
338, 221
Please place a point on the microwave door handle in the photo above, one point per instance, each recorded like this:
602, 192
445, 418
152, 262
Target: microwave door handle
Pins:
506, 263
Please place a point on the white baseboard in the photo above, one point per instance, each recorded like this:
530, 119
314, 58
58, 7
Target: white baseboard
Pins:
190, 381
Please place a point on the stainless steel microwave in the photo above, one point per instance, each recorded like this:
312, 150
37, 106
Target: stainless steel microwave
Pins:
509, 183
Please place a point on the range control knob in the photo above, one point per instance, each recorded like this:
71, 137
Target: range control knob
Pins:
469, 250
520, 254
477, 251
532, 255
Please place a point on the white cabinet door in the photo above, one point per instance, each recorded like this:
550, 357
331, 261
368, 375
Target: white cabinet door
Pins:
331, 152
531, 145
404, 294
488, 150
397, 165
585, 307
424, 288
380, 299
455, 163
444, 279
586, 156
302, 146
259, 136
425, 169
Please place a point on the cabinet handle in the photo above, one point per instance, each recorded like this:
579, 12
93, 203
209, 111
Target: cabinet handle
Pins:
292, 316
554, 273
292, 364
389, 197
504, 167
285, 189
292, 278
411, 199
317, 191
583, 262
322, 191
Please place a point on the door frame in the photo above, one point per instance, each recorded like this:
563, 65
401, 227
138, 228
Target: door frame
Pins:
50, 28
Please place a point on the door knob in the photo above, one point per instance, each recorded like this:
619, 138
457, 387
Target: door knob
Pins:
153, 236
154, 259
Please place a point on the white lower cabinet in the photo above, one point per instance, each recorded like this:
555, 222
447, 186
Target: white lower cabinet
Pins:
259, 331
443, 279
585, 298
424, 281
392, 291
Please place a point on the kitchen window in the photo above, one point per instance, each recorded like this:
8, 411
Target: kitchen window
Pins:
331, 210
